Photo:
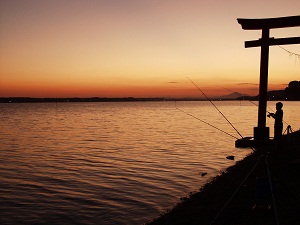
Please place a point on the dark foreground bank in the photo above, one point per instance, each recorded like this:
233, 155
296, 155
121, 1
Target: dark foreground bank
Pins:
241, 194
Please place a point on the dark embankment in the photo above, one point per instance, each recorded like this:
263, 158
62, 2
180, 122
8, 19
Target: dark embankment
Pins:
241, 194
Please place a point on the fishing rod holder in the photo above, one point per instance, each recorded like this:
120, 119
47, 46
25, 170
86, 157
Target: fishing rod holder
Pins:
250, 142
261, 138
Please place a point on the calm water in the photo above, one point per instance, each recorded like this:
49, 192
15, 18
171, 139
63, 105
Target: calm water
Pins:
114, 163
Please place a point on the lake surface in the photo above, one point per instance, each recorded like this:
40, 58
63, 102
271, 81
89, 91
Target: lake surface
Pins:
115, 163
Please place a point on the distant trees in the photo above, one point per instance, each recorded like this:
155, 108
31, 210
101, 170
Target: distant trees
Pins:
293, 90
277, 95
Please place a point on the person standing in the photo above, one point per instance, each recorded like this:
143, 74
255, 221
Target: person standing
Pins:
278, 125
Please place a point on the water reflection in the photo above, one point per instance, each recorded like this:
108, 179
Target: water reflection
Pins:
114, 163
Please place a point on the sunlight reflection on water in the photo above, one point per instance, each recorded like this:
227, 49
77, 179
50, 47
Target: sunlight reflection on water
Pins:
113, 163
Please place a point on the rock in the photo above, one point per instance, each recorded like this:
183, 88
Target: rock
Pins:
230, 157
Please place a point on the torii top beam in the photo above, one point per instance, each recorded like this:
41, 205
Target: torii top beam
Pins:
269, 23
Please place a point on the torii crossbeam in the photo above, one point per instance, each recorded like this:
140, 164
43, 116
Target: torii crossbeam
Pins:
261, 132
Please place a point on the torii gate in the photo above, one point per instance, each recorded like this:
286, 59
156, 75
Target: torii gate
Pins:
261, 132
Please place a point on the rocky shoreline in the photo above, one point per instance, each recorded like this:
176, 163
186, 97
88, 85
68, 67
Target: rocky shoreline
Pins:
242, 195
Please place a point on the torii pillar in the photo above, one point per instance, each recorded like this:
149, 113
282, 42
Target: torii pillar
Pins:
261, 132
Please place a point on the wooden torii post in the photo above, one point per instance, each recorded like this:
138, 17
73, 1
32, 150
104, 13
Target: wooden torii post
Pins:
261, 132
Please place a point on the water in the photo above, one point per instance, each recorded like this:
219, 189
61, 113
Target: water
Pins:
114, 163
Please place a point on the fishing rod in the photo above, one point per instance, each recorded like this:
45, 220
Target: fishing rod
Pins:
206, 122
215, 107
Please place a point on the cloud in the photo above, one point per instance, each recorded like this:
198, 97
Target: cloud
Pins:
247, 84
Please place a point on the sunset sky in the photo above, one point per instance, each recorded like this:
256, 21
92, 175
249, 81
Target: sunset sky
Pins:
138, 48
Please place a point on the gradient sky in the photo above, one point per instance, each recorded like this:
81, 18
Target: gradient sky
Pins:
139, 48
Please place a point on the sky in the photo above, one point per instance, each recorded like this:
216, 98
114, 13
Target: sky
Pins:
139, 48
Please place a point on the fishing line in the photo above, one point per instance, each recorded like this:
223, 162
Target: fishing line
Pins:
206, 123
272, 191
240, 95
215, 106
236, 191
247, 99
254, 103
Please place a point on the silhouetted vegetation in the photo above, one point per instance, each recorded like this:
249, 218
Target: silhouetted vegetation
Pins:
292, 93
293, 90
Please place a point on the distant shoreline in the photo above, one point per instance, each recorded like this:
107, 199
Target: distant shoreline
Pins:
96, 99
125, 99
290, 93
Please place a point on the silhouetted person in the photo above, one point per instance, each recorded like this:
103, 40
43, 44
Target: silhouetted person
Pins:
278, 126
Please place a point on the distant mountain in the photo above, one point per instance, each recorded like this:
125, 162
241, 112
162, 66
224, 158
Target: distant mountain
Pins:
234, 95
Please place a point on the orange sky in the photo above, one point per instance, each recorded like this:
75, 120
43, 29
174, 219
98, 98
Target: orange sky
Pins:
138, 48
